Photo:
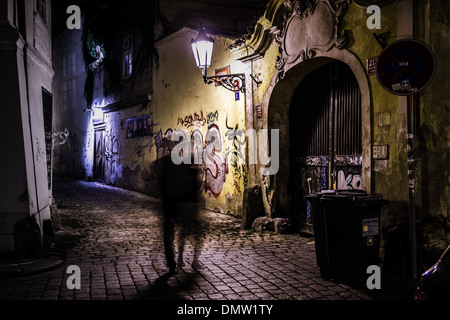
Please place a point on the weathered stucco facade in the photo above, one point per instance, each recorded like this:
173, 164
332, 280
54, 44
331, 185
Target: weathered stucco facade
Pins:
338, 32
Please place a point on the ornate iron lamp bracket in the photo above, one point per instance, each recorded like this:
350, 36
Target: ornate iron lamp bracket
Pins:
233, 82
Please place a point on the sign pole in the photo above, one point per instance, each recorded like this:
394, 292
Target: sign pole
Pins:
404, 68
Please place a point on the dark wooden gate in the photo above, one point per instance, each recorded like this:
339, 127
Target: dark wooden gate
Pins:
325, 134
99, 158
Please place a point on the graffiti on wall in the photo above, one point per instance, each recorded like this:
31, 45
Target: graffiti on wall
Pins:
163, 143
111, 147
212, 117
211, 150
215, 162
39, 151
111, 152
192, 119
61, 137
64, 137
207, 151
351, 181
141, 146
235, 156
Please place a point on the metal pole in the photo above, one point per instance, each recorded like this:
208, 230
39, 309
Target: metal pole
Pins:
411, 185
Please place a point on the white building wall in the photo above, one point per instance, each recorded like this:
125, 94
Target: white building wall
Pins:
26, 64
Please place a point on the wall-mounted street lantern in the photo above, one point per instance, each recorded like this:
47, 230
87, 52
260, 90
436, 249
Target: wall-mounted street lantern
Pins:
202, 47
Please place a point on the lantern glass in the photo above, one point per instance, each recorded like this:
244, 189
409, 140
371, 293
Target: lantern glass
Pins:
202, 47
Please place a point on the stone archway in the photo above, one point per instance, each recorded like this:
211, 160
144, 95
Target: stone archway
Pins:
276, 106
308, 35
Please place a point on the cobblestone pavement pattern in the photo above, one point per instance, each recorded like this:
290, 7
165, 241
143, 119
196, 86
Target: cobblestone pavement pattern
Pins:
120, 255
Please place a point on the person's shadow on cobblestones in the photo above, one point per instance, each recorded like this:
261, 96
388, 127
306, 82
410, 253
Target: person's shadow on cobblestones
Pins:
168, 288
179, 189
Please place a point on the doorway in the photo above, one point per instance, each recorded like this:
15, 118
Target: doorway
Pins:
325, 135
99, 155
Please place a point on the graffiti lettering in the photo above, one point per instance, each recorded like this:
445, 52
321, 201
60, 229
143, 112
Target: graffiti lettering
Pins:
216, 169
163, 143
40, 152
212, 117
60, 138
140, 147
191, 120
236, 156
350, 182
111, 147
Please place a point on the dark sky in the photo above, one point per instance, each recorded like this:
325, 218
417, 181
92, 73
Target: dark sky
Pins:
225, 13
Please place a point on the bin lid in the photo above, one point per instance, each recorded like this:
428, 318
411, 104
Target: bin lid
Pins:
318, 195
352, 192
359, 196
359, 199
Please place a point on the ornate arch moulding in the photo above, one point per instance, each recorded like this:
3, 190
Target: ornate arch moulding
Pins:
312, 26
254, 45
301, 28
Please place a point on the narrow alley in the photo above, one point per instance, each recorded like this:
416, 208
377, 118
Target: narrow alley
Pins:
114, 237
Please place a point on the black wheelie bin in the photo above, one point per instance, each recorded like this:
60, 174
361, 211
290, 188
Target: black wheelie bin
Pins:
347, 233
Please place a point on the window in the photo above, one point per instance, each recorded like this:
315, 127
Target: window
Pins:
127, 56
41, 8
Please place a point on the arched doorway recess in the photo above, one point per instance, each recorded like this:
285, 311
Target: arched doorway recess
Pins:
277, 105
324, 135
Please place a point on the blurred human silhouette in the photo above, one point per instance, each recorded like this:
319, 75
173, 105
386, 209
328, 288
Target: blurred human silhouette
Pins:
179, 186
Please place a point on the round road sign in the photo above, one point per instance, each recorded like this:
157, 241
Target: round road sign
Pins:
405, 67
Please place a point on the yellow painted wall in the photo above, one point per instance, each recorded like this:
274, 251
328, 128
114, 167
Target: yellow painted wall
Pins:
389, 176
180, 96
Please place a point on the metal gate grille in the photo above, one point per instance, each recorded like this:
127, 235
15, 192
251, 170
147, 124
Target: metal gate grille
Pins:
325, 132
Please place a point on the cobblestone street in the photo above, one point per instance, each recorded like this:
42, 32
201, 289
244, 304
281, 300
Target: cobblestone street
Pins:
115, 237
